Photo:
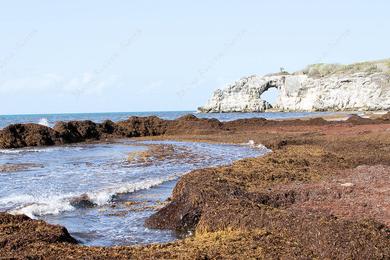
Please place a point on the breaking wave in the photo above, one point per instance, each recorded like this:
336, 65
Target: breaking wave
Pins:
35, 207
39, 150
91, 183
44, 122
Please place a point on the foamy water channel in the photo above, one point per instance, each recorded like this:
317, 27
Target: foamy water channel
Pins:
96, 192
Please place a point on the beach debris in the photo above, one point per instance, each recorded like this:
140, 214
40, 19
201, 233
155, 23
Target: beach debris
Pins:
261, 147
347, 184
252, 144
133, 203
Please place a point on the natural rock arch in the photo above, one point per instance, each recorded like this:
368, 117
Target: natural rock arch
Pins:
267, 89
272, 83
244, 95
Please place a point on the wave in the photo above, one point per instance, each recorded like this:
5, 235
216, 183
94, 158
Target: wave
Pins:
39, 150
29, 150
105, 196
10, 151
43, 121
35, 207
39, 209
38, 206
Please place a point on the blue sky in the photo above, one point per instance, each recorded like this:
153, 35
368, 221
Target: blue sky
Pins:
105, 56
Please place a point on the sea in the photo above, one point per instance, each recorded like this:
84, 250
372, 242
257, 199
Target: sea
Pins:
51, 119
103, 192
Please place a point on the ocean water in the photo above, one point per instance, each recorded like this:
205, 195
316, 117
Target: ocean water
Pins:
115, 195
51, 119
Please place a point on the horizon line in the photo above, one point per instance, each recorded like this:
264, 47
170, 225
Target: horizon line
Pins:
109, 112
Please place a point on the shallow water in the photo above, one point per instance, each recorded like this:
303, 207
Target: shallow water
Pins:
119, 194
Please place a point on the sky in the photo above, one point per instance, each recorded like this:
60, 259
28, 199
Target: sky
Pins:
123, 56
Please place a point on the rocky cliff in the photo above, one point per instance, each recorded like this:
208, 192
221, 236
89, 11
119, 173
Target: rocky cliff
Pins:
321, 87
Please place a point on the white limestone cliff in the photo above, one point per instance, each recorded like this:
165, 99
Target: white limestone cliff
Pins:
343, 90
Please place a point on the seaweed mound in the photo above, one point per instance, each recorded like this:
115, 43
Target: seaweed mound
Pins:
20, 231
22, 135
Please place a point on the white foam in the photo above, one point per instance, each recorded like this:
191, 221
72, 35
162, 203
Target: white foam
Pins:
42, 202
23, 150
263, 148
55, 205
36, 209
44, 122
39, 150
252, 144
16, 199
10, 151
105, 196
33, 206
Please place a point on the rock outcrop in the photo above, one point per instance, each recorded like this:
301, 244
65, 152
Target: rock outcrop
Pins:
23, 135
76, 131
18, 232
141, 126
242, 96
338, 88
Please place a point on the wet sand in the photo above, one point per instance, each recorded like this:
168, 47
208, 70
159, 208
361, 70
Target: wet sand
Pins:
322, 193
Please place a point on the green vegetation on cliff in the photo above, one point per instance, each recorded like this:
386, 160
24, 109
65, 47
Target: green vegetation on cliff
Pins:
370, 67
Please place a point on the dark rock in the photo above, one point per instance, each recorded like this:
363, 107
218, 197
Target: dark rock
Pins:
107, 127
188, 117
245, 122
87, 129
77, 131
191, 124
82, 202
22, 135
20, 231
67, 132
317, 121
141, 126
281, 144
358, 120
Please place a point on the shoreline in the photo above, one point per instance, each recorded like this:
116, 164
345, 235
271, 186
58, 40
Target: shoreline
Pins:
273, 206
70, 132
